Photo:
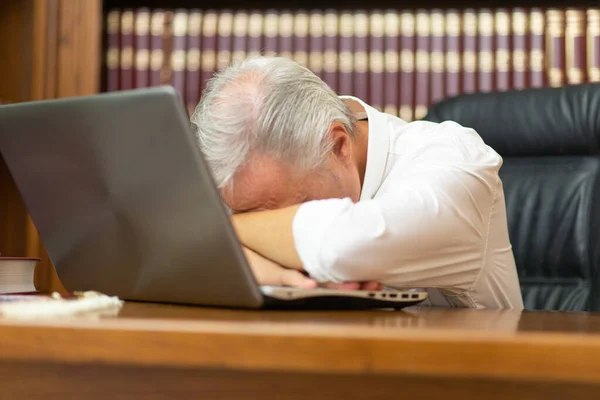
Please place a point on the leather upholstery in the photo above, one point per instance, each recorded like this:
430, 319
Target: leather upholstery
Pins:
550, 141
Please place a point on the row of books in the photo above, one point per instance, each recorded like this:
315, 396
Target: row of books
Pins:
398, 61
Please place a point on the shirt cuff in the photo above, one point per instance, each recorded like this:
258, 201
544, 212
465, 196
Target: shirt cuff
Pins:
309, 228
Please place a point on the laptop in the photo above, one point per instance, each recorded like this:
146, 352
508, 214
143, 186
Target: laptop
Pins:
125, 204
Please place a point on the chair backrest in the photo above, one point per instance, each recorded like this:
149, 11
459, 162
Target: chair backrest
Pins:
550, 141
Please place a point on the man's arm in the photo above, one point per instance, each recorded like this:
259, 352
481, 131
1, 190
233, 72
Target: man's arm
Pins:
269, 233
268, 242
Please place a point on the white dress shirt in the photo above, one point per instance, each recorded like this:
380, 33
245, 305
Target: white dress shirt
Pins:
431, 215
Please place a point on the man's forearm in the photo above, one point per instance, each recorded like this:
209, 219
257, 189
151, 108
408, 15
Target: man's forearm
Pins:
269, 233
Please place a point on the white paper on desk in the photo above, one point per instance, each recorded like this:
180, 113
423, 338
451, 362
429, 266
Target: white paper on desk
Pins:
89, 304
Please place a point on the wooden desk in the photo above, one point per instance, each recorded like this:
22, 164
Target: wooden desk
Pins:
156, 351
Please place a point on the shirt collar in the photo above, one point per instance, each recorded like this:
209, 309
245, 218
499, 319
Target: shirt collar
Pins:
377, 152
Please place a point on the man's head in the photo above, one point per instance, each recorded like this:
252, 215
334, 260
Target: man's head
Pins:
274, 135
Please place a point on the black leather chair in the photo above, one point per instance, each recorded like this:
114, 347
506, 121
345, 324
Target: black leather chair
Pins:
550, 141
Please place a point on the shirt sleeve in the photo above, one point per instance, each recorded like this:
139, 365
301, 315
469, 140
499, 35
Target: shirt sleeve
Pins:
427, 226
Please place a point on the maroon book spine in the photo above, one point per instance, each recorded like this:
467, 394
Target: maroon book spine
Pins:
240, 36
316, 32
520, 22
469, 55
286, 30
575, 46
330, 48
142, 47
437, 60
391, 60
502, 54
537, 56
112, 50
453, 51
255, 33
270, 33
192, 68
166, 72
556, 47
225, 39
407, 66
423, 49
178, 54
376, 60
485, 55
126, 54
593, 45
300, 35
361, 55
346, 53
157, 31
208, 44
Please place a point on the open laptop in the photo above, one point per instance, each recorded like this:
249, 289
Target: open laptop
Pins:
125, 204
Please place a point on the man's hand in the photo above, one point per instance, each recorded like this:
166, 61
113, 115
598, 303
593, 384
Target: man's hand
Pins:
269, 273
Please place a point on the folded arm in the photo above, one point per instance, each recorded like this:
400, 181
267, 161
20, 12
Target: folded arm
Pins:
269, 233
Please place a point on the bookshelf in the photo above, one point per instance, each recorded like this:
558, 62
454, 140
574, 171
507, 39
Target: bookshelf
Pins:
55, 48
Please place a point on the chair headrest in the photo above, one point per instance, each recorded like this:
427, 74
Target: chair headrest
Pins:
531, 122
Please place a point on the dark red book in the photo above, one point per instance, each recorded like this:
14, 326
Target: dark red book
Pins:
361, 55
520, 22
126, 53
157, 31
391, 62
166, 70
376, 60
286, 31
555, 29
437, 56
17, 275
142, 47
346, 54
407, 66
575, 46
255, 33
113, 20
178, 54
316, 30
537, 57
485, 50
593, 40
330, 48
224, 38
469, 55
192, 65
422, 67
208, 44
239, 47
270, 33
502, 54
453, 51
300, 35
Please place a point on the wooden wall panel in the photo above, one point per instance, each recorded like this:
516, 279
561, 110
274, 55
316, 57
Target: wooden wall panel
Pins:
49, 49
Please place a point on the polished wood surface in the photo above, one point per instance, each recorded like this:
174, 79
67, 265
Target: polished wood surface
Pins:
478, 348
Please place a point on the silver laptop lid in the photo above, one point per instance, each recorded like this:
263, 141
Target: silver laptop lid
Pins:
122, 199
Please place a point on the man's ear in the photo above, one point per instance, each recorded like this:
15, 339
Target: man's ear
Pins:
342, 142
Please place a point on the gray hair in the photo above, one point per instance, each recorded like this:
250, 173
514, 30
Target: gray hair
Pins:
271, 105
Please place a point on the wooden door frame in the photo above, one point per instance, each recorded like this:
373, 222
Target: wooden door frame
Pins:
61, 57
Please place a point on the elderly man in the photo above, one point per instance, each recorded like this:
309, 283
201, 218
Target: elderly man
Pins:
331, 187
